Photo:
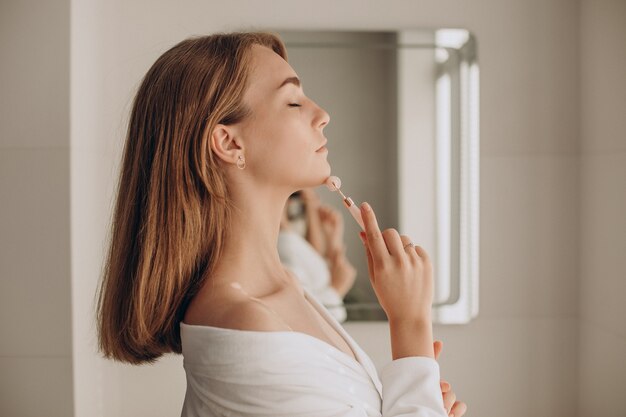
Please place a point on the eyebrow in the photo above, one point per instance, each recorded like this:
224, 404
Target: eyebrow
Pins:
291, 80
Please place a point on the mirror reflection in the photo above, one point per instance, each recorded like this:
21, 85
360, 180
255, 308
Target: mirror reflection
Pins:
404, 137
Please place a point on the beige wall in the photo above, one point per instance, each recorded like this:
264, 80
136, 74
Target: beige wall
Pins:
602, 238
548, 341
35, 297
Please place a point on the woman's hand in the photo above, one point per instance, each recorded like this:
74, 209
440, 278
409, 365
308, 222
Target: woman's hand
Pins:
401, 276
333, 227
342, 273
453, 407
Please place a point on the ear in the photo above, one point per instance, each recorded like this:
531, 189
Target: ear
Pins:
225, 143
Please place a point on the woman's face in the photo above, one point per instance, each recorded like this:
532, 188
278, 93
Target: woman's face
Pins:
285, 130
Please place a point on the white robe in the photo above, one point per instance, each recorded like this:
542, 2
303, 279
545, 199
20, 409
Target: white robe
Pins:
232, 372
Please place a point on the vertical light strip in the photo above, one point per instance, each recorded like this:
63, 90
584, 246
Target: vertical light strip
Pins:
464, 304
443, 188
474, 184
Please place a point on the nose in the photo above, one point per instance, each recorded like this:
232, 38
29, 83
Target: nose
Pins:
323, 118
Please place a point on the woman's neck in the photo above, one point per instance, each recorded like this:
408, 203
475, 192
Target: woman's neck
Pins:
250, 254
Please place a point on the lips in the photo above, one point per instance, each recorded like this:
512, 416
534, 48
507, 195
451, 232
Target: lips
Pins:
323, 144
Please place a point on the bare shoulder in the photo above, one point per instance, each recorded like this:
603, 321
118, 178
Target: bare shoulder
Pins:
234, 313
251, 315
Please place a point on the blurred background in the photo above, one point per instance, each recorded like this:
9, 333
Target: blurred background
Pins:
550, 338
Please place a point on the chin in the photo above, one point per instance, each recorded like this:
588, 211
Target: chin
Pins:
325, 175
318, 179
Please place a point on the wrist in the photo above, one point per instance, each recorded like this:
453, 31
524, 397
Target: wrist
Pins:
335, 250
408, 324
411, 338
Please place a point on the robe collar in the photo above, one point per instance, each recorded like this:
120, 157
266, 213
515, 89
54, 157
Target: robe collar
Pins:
361, 356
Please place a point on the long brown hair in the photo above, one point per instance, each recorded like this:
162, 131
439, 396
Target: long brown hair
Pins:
173, 207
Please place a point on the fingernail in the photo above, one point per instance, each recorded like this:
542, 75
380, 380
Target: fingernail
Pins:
366, 207
362, 236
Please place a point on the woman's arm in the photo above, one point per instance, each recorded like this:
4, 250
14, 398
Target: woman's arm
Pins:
342, 273
314, 233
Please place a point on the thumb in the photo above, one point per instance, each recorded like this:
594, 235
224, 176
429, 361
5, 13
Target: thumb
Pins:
438, 346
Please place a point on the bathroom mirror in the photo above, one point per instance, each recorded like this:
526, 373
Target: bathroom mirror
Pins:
403, 136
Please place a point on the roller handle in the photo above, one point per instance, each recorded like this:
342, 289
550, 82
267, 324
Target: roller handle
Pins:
355, 211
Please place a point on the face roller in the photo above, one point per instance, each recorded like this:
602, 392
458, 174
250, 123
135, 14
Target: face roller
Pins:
334, 183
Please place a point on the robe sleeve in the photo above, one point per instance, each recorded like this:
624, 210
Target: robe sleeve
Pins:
411, 388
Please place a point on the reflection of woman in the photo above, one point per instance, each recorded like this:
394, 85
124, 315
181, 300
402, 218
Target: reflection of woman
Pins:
220, 135
319, 261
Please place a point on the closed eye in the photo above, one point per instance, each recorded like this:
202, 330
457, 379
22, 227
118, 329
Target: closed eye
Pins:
294, 105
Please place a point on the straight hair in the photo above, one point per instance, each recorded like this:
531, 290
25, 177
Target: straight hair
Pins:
173, 208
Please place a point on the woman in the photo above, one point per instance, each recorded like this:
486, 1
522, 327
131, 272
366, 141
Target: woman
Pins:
220, 135
310, 244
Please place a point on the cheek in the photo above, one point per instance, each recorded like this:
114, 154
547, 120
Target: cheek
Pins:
271, 129
285, 159
279, 145
284, 137
284, 163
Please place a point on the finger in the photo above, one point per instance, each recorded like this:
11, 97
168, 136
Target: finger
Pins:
394, 243
448, 400
375, 241
422, 253
438, 346
408, 250
370, 260
445, 386
458, 409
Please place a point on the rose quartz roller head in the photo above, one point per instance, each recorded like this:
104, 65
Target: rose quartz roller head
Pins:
334, 183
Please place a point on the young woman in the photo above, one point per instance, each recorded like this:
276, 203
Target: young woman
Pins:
220, 134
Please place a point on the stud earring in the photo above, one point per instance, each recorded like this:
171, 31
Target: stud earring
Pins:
242, 161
